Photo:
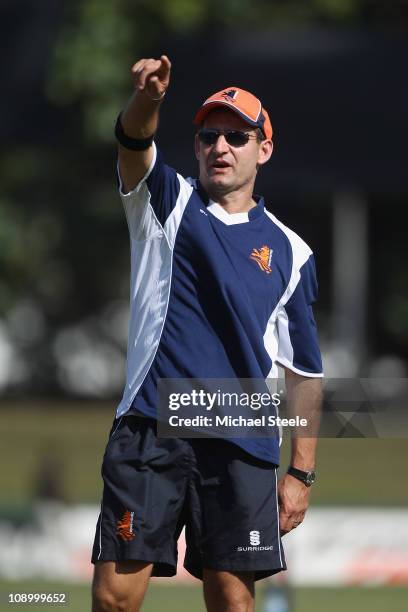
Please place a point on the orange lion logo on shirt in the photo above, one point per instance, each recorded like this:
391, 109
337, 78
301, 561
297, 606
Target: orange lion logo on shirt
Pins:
263, 258
124, 527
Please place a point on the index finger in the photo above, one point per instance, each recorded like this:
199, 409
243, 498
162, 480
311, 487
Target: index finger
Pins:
285, 521
166, 61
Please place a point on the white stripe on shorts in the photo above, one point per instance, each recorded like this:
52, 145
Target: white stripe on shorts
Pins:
277, 513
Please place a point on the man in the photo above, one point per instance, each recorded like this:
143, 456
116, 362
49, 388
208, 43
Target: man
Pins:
219, 289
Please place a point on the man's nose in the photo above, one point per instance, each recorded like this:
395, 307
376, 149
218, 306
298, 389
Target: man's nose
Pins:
221, 144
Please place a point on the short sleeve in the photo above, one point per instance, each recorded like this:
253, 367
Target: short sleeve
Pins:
150, 203
298, 347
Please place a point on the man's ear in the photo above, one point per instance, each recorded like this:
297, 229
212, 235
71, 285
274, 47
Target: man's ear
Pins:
265, 152
197, 146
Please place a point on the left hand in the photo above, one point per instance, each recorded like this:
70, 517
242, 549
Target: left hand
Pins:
293, 498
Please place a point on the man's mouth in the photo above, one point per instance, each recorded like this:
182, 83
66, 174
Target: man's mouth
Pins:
220, 164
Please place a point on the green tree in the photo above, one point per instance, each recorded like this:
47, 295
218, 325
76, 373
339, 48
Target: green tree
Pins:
99, 39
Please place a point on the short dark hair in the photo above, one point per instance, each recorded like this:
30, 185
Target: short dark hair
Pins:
260, 136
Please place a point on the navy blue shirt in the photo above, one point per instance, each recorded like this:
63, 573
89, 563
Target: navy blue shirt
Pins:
213, 294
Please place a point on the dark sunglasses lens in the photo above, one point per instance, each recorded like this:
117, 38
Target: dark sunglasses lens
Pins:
208, 137
236, 138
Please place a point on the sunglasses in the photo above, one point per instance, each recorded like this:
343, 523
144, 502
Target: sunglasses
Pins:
235, 138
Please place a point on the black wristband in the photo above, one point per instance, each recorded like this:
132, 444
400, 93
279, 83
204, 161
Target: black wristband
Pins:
134, 144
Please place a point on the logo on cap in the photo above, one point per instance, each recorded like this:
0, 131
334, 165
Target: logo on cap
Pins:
230, 95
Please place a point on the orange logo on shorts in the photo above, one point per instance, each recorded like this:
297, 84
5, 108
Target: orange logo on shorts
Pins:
124, 527
263, 258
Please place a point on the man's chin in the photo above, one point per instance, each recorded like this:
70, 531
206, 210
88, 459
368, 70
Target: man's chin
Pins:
219, 184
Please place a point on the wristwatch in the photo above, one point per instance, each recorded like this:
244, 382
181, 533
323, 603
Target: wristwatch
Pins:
308, 478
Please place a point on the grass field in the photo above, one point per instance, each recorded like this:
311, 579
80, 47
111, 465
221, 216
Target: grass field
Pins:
71, 436
189, 598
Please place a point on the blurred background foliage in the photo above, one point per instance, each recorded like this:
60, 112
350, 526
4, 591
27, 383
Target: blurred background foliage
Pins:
64, 261
99, 38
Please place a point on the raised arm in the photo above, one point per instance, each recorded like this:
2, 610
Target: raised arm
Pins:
139, 119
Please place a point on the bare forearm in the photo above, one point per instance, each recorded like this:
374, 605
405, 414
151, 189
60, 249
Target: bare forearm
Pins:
303, 453
304, 398
140, 116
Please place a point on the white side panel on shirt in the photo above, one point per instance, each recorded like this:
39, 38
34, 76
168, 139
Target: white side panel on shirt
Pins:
151, 268
276, 338
174, 219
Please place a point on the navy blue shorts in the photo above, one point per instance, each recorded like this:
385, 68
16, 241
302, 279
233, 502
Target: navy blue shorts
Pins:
153, 487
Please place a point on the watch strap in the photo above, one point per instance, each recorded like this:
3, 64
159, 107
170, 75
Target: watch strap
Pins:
308, 478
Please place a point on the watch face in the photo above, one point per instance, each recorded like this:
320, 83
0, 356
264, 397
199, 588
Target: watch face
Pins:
310, 478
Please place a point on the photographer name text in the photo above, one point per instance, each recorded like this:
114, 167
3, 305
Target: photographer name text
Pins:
238, 421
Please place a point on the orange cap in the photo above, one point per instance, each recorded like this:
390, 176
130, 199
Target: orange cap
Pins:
246, 105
